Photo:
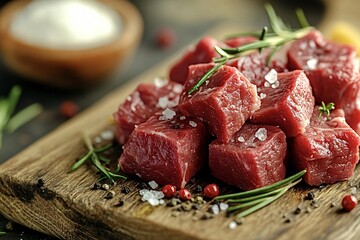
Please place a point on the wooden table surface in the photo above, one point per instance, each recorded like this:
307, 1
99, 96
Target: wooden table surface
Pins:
174, 14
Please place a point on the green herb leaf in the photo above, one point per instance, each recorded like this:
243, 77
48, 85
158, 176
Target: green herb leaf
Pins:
23, 116
265, 189
302, 18
96, 158
257, 201
3, 233
7, 108
326, 108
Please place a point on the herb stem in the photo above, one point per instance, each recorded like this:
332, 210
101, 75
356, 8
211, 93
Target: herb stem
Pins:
247, 199
273, 18
96, 158
103, 149
264, 189
260, 205
206, 76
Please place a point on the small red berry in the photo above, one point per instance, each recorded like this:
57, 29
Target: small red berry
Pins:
211, 190
169, 190
349, 202
68, 109
184, 194
165, 38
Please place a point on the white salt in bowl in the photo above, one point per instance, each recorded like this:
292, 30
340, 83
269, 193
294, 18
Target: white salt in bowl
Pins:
70, 69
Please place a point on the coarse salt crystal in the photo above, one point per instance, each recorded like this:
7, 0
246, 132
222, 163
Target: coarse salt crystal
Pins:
207, 82
261, 134
98, 140
266, 84
177, 88
128, 98
312, 63
153, 184
160, 82
262, 95
312, 44
223, 206
153, 202
163, 102
192, 123
162, 201
233, 225
167, 114
148, 195
182, 117
158, 194
241, 139
107, 135
133, 106
271, 76
215, 209
143, 191
275, 84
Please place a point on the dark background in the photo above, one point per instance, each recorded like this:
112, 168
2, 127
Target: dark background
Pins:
189, 19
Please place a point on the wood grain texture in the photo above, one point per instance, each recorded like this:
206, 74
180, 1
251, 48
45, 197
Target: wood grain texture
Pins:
67, 208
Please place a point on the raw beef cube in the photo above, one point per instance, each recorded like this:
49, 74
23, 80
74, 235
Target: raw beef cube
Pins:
328, 149
350, 103
145, 101
287, 102
330, 67
239, 41
254, 157
254, 66
203, 52
167, 148
224, 102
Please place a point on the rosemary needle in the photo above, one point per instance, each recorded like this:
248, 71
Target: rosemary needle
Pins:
96, 158
264, 189
256, 199
10, 122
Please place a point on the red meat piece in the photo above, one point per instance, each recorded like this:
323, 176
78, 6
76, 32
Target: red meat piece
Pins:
350, 103
167, 151
239, 41
145, 101
224, 102
254, 66
203, 52
248, 162
287, 103
330, 67
328, 149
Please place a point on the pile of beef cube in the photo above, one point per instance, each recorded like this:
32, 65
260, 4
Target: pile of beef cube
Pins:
251, 120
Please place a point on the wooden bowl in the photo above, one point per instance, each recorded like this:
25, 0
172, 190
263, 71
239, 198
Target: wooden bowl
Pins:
70, 69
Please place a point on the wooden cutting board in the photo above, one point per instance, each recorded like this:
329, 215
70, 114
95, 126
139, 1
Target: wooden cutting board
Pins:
67, 208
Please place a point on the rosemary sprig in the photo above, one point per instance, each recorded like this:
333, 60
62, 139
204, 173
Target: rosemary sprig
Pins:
326, 108
303, 22
281, 35
256, 199
94, 154
10, 122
